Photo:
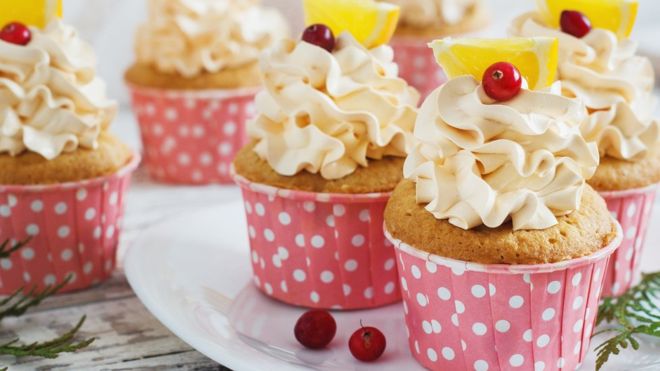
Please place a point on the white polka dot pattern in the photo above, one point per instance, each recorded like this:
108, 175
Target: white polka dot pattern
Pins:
63, 222
335, 256
417, 66
633, 211
521, 326
192, 138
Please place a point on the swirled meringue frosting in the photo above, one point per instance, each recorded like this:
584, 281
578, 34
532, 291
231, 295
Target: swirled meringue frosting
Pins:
482, 162
615, 84
191, 37
426, 13
328, 113
51, 100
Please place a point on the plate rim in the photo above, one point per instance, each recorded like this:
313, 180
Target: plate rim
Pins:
131, 271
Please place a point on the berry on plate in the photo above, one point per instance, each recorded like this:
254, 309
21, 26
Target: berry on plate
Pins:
367, 344
315, 329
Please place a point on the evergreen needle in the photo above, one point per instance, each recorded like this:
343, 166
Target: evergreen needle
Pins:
19, 302
636, 312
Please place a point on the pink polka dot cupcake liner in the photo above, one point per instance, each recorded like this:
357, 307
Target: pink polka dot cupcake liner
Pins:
633, 209
417, 65
73, 228
191, 137
320, 250
467, 316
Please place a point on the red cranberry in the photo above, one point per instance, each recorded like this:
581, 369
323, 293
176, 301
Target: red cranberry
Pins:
502, 81
575, 23
320, 35
315, 329
16, 33
367, 344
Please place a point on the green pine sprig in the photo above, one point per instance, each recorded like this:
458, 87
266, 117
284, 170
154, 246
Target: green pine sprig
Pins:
636, 313
19, 302
6, 249
48, 349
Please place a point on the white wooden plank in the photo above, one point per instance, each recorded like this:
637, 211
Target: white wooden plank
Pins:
126, 334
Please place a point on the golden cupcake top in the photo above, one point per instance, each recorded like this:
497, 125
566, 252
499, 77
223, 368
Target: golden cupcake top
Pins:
598, 64
490, 150
330, 105
194, 37
52, 100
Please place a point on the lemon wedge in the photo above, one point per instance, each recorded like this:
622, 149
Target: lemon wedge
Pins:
371, 23
536, 58
30, 12
617, 16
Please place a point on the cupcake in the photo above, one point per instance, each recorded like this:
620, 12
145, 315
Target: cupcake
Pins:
194, 82
599, 65
333, 126
424, 20
63, 175
502, 246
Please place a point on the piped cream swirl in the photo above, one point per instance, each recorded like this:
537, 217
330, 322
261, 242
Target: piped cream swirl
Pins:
191, 37
481, 162
51, 100
426, 13
329, 113
615, 84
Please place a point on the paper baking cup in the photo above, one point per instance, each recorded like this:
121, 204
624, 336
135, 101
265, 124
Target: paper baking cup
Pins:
191, 137
632, 208
417, 65
320, 250
74, 229
466, 316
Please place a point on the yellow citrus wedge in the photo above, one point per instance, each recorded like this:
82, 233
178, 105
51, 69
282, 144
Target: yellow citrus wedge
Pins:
536, 58
30, 12
371, 23
617, 16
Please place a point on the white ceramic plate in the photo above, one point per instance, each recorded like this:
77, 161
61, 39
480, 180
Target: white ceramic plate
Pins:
193, 274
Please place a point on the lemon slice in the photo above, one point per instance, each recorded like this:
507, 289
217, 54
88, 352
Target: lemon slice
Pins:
536, 58
371, 23
617, 16
30, 12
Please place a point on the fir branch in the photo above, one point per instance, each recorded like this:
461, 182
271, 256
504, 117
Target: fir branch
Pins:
6, 250
48, 349
636, 312
18, 303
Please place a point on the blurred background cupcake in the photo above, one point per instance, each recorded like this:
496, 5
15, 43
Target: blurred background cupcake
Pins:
332, 129
62, 174
502, 246
193, 83
423, 21
599, 65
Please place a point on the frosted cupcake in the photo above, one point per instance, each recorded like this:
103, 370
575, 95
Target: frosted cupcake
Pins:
599, 65
194, 81
332, 129
424, 20
501, 244
62, 174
